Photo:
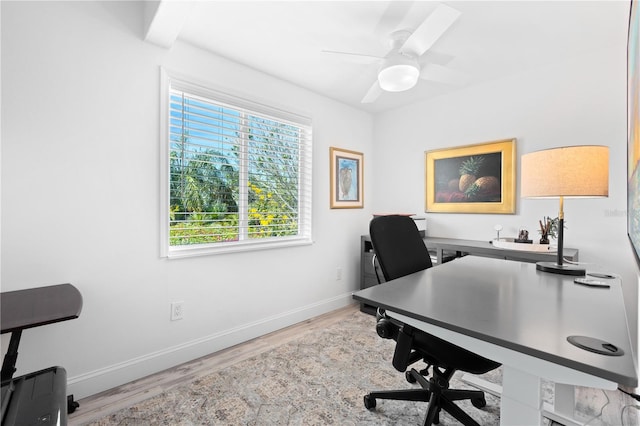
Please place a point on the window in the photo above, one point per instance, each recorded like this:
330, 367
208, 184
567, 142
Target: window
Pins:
236, 175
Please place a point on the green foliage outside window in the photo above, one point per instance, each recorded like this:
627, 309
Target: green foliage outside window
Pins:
205, 195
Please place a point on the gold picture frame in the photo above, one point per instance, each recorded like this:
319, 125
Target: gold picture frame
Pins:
347, 178
477, 178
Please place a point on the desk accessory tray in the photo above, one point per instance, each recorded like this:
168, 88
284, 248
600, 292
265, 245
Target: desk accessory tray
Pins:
509, 243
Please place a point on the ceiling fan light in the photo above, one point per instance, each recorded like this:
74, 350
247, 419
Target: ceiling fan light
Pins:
399, 77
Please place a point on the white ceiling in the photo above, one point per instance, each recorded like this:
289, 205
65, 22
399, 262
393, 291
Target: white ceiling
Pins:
286, 38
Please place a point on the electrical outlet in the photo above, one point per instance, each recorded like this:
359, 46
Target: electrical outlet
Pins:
177, 311
338, 274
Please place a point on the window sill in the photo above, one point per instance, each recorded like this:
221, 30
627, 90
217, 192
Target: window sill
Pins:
234, 247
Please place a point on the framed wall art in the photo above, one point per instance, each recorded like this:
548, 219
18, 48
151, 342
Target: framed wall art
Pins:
633, 130
346, 179
472, 178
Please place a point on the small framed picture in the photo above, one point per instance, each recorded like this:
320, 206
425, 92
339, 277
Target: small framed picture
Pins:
346, 179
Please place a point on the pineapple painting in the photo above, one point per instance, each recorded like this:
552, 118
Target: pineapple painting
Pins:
474, 178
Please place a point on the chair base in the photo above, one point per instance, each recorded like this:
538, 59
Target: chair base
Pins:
437, 393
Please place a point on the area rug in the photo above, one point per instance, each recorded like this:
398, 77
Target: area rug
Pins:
319, 378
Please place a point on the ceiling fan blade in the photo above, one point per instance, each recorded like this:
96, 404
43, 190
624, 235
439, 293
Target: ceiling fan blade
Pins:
392, 18
430, 30
440, 74
372, 94
433, 57
360, 58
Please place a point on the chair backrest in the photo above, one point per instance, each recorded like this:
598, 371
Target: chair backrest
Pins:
398, 245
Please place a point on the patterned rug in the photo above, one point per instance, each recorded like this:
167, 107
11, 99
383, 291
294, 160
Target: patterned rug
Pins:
319, 378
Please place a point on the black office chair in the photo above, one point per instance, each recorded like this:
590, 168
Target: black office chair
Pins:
400, 251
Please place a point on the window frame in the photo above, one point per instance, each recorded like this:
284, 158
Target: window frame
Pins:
187, 84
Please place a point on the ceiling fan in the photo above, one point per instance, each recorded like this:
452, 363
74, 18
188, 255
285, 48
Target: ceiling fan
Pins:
401, 67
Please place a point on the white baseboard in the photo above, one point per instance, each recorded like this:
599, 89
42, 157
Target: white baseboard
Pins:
100, 380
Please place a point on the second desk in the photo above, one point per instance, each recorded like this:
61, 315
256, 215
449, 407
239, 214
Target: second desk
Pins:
487, 249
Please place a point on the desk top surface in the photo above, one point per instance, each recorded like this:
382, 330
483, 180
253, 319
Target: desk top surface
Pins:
33, 307
459, 244
513, 305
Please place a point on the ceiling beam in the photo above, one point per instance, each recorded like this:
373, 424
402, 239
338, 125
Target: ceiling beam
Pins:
164, 20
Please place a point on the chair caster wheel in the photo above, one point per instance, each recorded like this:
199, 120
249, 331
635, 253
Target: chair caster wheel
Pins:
369, 402
409, 377
479, 402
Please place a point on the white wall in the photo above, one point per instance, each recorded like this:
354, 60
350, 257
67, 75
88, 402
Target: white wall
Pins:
581, 100
80, 197
80, 190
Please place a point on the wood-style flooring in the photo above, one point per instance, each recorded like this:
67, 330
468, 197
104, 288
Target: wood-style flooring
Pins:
620, 409
104, 403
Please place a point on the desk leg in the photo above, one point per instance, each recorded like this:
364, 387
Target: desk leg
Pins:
483, 385
521, 402
564, 402
439, 255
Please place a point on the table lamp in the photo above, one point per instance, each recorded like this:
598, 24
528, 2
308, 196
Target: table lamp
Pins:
566, 172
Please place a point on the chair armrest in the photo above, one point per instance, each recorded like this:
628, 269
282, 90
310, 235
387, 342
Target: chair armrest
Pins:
404, 344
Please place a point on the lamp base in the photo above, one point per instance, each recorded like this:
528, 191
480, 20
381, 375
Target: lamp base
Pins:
554, 268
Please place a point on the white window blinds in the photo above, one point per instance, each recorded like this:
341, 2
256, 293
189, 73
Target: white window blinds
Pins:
238, 173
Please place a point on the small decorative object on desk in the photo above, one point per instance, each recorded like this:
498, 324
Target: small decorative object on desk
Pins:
523, 237
498, 228
548, 228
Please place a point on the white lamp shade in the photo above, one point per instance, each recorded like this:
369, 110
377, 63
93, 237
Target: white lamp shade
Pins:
573, 171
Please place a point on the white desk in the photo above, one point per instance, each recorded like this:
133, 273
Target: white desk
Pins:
487, 249
510, 312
